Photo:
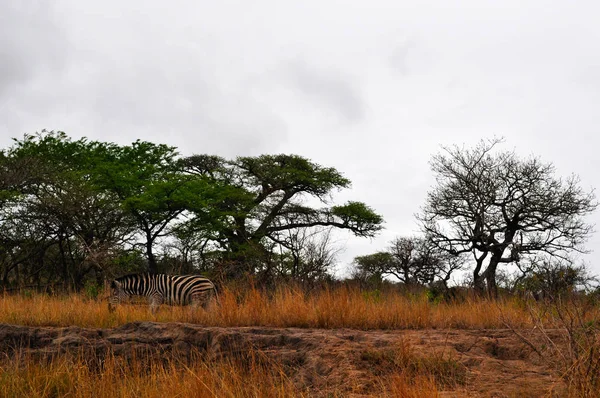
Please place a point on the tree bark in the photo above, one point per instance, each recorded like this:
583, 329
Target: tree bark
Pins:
478, 279
490, 276
152, 267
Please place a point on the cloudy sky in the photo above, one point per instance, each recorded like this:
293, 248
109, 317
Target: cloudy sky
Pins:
371, 88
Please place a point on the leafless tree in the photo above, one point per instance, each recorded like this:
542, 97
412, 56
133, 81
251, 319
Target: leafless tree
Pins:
307, 255
500, 207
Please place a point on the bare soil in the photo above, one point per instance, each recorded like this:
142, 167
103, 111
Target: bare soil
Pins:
498, 363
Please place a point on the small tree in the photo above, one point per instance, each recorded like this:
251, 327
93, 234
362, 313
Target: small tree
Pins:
500, 207
547, 277
308, 255
412, 260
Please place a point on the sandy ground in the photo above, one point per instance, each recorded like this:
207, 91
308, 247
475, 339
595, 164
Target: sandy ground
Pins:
498, 363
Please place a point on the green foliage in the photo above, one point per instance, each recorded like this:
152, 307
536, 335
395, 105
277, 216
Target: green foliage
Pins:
76, 205
376, 262
128, 262
373, 296
291, 172
359, 218
92, 289
266, 201
435, 296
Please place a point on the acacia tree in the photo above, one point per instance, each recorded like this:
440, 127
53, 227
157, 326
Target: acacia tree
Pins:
500, 207
412, 260
267, 195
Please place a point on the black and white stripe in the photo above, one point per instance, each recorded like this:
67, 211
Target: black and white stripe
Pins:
160, 288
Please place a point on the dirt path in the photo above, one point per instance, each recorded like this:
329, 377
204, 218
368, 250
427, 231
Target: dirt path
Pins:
497, 362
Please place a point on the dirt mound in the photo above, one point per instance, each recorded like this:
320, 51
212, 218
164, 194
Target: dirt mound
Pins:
496, 362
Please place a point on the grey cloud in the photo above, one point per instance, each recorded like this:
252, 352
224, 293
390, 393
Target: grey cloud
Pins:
124, 91
328, 87
32, 42
362, 88
399, 59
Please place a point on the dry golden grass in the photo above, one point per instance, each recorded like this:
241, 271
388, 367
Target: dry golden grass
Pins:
287, 307
396, 372
405, 375
116, 377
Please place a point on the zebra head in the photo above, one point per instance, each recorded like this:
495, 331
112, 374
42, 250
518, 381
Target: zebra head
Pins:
117, 294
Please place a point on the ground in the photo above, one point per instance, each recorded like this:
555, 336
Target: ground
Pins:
496, 363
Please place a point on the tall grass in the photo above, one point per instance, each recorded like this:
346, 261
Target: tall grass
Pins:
395, 372
249, 376
577, 361
287, 307
139, 377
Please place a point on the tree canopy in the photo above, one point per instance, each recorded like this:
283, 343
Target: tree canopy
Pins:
270, 195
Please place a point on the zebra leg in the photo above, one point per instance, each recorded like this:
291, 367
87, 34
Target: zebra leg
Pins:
203, 299
211, 300
114, 300
196, 301
155, 302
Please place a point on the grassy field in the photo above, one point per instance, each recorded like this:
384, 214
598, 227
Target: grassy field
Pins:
342, 308
252, 376
74, 377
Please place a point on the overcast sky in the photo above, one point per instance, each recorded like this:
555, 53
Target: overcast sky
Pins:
372, 88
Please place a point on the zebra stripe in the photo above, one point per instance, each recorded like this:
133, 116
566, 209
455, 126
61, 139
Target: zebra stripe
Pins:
161, 288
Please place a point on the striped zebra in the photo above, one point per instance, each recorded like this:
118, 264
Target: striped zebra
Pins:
159, 288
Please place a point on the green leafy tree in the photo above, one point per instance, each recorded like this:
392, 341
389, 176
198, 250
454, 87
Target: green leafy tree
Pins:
148, 180
62, 203
269, 195
141, 184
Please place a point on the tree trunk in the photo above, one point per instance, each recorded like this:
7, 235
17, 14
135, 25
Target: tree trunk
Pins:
100, 278
490, 277
152, 268
478, 279
478, 283
63, 260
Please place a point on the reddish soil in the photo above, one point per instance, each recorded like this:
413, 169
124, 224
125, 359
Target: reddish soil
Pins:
497, 362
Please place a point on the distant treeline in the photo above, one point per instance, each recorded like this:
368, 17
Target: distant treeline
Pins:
76, 212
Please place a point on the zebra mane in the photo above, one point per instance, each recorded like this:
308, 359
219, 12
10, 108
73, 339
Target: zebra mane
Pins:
132, 276
121, 279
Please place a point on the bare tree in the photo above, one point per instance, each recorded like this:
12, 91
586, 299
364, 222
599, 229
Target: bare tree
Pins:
500, 207
307, 255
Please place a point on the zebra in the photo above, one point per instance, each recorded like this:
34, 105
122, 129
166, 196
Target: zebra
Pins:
170, 289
